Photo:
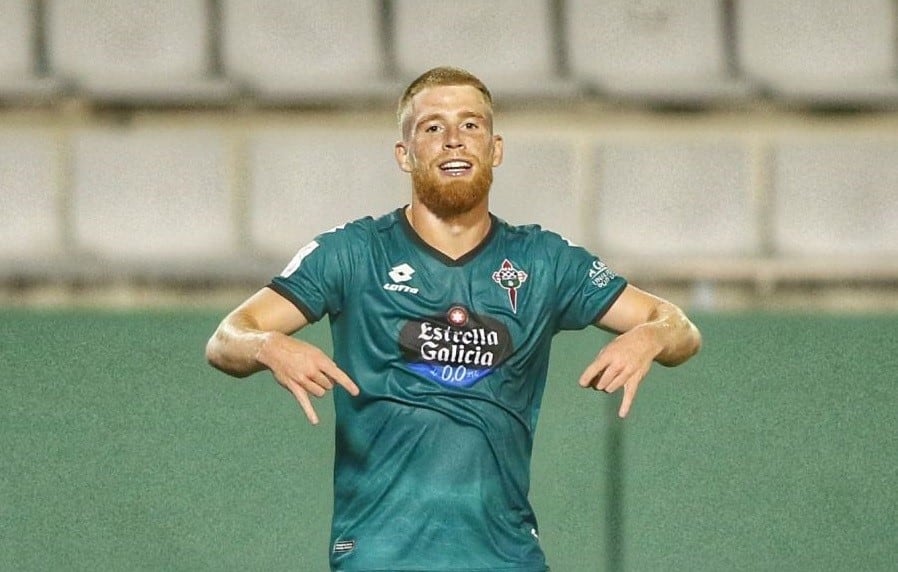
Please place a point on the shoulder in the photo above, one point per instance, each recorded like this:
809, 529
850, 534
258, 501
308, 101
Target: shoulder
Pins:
361, 230
533, 236
341, 243
555, 253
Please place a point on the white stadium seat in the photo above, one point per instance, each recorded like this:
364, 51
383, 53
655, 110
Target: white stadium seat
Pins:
152, 195
509, 44
654, 50
30, 221
836, 198
305, 50
154, 51
19, 77
821, 51
537, 184
17, 38
305, 181
675, 197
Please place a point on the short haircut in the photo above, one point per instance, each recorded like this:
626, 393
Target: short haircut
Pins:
440, 76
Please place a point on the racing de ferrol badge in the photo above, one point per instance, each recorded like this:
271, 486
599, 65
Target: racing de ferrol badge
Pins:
511, 279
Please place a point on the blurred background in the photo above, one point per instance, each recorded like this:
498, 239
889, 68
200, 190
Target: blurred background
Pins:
745, 153
160, 160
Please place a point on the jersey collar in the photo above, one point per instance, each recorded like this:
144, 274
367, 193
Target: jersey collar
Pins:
436, 254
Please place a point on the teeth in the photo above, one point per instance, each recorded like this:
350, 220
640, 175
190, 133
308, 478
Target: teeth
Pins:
455, 165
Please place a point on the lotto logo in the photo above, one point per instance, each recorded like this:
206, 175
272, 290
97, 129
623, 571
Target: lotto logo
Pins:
401, 273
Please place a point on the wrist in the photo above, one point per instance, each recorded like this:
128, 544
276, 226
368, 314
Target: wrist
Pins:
652, 337
265, 347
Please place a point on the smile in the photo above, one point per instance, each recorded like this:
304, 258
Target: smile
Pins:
455, 167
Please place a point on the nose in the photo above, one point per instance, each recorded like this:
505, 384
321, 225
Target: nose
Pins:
452, 141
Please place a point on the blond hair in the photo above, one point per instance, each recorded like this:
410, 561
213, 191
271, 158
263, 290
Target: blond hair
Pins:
440, 76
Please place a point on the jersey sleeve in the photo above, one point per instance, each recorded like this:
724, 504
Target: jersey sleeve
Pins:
316, 279
587, 287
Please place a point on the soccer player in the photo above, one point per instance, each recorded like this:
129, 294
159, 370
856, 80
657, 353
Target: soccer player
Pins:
442, 317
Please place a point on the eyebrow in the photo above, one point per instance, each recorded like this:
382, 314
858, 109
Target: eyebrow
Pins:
463, 115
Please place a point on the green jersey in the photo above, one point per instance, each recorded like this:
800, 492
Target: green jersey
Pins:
432, 468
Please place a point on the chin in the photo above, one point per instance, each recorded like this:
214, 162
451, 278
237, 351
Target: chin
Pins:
455, 196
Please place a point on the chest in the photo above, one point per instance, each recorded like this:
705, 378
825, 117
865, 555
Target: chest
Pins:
453, 323
509, 289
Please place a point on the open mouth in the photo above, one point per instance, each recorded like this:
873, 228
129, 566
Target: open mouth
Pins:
455, 167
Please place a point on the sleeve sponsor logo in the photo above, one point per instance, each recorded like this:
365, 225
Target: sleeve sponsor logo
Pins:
599, 274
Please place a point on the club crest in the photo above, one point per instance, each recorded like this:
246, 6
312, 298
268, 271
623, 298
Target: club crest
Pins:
511, 279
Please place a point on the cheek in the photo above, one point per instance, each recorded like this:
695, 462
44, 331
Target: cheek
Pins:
425, 153
497, 154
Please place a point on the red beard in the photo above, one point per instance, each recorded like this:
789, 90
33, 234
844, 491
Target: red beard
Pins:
450, 198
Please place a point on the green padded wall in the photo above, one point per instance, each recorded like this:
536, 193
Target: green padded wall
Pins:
775, 449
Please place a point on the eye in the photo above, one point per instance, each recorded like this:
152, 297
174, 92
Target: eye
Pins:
471, 125
432, 128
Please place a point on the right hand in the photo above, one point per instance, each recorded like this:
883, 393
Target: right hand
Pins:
303, 369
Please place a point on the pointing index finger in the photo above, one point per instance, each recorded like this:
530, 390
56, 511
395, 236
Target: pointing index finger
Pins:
627, 401
339, 377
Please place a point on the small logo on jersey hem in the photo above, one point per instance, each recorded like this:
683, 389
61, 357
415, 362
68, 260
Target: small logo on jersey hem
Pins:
342, 546
511, 279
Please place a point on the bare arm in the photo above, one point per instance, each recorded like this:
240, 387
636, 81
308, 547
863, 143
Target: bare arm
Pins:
235, 346
650, 329
662, 323
256, 336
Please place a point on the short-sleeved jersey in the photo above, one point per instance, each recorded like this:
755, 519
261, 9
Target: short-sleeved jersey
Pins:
432, 467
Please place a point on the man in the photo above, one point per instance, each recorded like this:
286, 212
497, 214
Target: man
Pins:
442, 317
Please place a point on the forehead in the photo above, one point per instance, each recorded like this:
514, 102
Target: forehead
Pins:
448, 100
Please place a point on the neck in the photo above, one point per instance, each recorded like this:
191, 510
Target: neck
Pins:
454, 236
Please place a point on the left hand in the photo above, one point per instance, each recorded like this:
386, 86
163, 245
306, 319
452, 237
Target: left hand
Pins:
623, 363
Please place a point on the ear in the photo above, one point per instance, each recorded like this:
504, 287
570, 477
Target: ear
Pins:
400, 151
498, 150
